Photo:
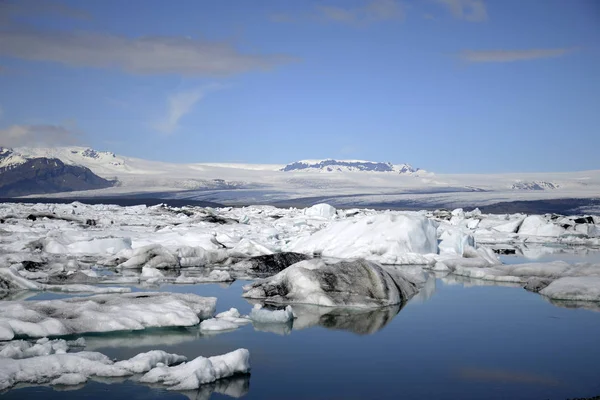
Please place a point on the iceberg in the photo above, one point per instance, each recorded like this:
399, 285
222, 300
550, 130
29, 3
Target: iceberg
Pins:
169, 370
580, 288
321, 210
195, 373
102, 313
264, 316
384, 238
358, 283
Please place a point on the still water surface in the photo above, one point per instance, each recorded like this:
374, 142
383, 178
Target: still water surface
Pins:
458, 339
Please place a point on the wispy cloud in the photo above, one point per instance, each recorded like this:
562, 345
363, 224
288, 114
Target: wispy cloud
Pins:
143, 55
503, 56
38, 136
370, 12
179, 104
468, 10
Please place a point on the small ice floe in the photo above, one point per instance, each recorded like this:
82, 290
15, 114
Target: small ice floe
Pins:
225, 321
265, 316
168, 370
102, 313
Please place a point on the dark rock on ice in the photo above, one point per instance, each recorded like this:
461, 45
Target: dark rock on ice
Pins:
271, 263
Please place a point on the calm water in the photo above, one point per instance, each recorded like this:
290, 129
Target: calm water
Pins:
453, 341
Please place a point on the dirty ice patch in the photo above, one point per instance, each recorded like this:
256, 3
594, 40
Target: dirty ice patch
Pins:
357, 283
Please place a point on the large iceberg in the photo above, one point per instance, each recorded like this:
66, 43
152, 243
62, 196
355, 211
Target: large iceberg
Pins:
102, 313
358, 283
384, 238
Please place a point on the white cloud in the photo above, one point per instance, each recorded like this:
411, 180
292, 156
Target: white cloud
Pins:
180, 104
503, 56
469, 10
38, 136
373, 11
141, 55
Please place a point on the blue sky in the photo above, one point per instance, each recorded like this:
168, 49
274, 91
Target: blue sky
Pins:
446, 85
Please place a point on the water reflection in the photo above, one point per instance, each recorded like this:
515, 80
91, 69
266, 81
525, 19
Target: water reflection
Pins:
547, 253
588, 305
278, 329
359, 321
146, 338
236, 386
465, 281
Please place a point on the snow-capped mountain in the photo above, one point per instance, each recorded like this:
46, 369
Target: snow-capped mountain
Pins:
331, 165
83, 156
43, 175
341, 182
534, 185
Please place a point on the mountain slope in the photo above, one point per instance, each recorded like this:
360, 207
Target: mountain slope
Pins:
47, 175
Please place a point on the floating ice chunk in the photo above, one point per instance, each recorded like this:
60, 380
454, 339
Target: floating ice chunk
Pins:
537, 225
99, 246
214, 276
102, 313
193, 374
224, 321
509, 227
472, 223
454, 241
144, 362
249, 248
199, 257
233, 315
321, 210
521, 272
11, 280
150, 272
76, 368
45, 369
154, 255
384, 238
358, 283
264, 316
458, 212
17, 349
216, 324
584, 288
